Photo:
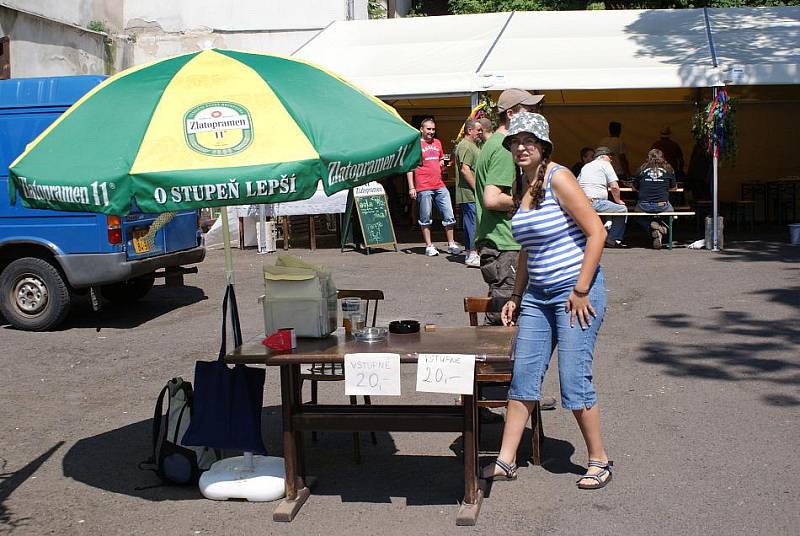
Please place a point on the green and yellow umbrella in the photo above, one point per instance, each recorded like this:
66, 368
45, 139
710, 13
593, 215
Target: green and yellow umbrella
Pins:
212, 128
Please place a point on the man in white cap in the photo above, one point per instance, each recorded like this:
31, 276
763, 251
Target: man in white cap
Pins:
597, 179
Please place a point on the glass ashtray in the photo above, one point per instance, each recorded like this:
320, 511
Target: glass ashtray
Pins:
370, 334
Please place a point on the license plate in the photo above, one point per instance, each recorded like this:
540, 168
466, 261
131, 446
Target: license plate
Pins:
140, 245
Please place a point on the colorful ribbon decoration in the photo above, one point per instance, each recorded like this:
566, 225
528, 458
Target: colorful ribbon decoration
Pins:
717, 112
476, 113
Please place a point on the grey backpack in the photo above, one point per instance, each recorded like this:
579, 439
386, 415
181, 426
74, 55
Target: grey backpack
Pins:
173, 462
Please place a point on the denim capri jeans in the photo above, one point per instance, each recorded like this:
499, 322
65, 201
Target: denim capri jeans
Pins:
543, 325
441, 197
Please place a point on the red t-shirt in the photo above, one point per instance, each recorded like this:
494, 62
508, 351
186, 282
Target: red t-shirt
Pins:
428, 176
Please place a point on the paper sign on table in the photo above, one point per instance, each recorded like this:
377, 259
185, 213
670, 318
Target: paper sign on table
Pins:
445, 373
372, 374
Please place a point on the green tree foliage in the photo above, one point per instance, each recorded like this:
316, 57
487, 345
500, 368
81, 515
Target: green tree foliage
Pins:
375, 9
459, 7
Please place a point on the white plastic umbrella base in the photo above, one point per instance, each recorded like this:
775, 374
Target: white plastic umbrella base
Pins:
235, 478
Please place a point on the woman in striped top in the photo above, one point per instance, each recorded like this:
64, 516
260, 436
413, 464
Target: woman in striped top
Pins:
559, 296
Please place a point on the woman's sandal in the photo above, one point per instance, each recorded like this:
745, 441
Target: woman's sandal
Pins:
509, 471
600, 478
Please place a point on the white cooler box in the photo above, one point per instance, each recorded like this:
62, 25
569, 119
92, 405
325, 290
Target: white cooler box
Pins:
299, 298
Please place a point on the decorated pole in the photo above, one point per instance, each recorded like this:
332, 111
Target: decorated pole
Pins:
716, 130
714, 169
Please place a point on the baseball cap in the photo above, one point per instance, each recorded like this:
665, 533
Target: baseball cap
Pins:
602, 151
511, 97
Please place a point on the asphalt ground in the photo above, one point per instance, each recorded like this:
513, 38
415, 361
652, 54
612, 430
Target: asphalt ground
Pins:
697, 370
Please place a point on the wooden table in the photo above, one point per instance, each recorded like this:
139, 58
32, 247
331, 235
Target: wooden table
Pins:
487, 343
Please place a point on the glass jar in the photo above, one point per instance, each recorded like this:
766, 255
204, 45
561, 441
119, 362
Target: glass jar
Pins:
350, 307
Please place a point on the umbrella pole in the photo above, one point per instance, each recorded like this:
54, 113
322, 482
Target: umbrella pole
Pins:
226, 239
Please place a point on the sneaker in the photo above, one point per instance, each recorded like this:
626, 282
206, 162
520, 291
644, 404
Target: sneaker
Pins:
656, 234
453, 249
473, 261
431, 251
660, 227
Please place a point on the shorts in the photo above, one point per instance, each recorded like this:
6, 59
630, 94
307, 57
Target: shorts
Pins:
543, 326
441, 197
499, 271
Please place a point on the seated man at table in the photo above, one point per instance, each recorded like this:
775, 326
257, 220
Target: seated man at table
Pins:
596, 179
653, 181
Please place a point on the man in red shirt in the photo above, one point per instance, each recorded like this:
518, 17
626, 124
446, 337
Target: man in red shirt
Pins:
425, 184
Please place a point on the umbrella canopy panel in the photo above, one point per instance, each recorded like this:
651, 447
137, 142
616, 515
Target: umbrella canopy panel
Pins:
213, 128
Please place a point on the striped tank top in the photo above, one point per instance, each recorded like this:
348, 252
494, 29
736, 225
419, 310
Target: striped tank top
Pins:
553, 241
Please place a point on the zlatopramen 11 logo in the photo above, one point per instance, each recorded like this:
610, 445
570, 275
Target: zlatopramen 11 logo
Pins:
218, 128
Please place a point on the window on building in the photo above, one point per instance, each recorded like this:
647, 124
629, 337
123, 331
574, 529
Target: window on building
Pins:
5, 59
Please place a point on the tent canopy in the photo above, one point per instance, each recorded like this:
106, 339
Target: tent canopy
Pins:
614, 49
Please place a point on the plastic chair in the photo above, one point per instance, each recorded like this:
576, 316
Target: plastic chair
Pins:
327, 372
499, 375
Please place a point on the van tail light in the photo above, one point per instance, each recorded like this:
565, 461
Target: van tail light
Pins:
114, 230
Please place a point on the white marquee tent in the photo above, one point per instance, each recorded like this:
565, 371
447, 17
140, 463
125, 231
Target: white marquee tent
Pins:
615, 49
645, 68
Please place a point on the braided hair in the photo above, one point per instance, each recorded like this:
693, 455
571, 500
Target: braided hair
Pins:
537, 187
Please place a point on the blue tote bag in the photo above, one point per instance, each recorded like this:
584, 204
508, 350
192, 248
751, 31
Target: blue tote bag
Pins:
226, 412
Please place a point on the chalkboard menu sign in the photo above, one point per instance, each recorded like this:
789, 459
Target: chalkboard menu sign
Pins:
373, 216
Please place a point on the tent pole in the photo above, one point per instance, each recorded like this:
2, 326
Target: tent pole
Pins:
226, 239
714, 167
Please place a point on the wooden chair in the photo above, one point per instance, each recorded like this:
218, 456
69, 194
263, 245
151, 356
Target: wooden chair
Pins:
327, 372
499, 374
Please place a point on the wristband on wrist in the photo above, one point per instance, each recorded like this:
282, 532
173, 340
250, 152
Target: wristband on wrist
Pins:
579, 293
515, 295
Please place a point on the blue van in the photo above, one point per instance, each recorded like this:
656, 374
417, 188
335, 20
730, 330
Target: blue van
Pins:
46, 257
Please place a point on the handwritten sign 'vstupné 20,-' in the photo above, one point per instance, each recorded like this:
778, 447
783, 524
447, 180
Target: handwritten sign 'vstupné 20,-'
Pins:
445, 373
372, 374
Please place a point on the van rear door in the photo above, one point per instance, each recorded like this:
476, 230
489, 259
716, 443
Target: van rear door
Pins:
179, 233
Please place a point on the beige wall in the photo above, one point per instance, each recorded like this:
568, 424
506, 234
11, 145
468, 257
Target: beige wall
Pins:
44, 48
146, 30
156, 29
76, 12
238, 15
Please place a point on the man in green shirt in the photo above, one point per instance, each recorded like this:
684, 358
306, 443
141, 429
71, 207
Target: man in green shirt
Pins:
466, 152
494, 177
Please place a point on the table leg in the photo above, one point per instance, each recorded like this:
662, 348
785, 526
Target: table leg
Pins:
296, 490
297, 400
473, 495
312, 233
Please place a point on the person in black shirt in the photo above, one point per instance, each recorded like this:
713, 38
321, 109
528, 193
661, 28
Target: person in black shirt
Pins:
587, 155
653, 181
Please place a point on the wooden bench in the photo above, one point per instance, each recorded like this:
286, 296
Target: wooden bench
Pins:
670, 217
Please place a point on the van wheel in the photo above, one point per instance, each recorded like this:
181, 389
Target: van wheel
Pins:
128, 291
33, 295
